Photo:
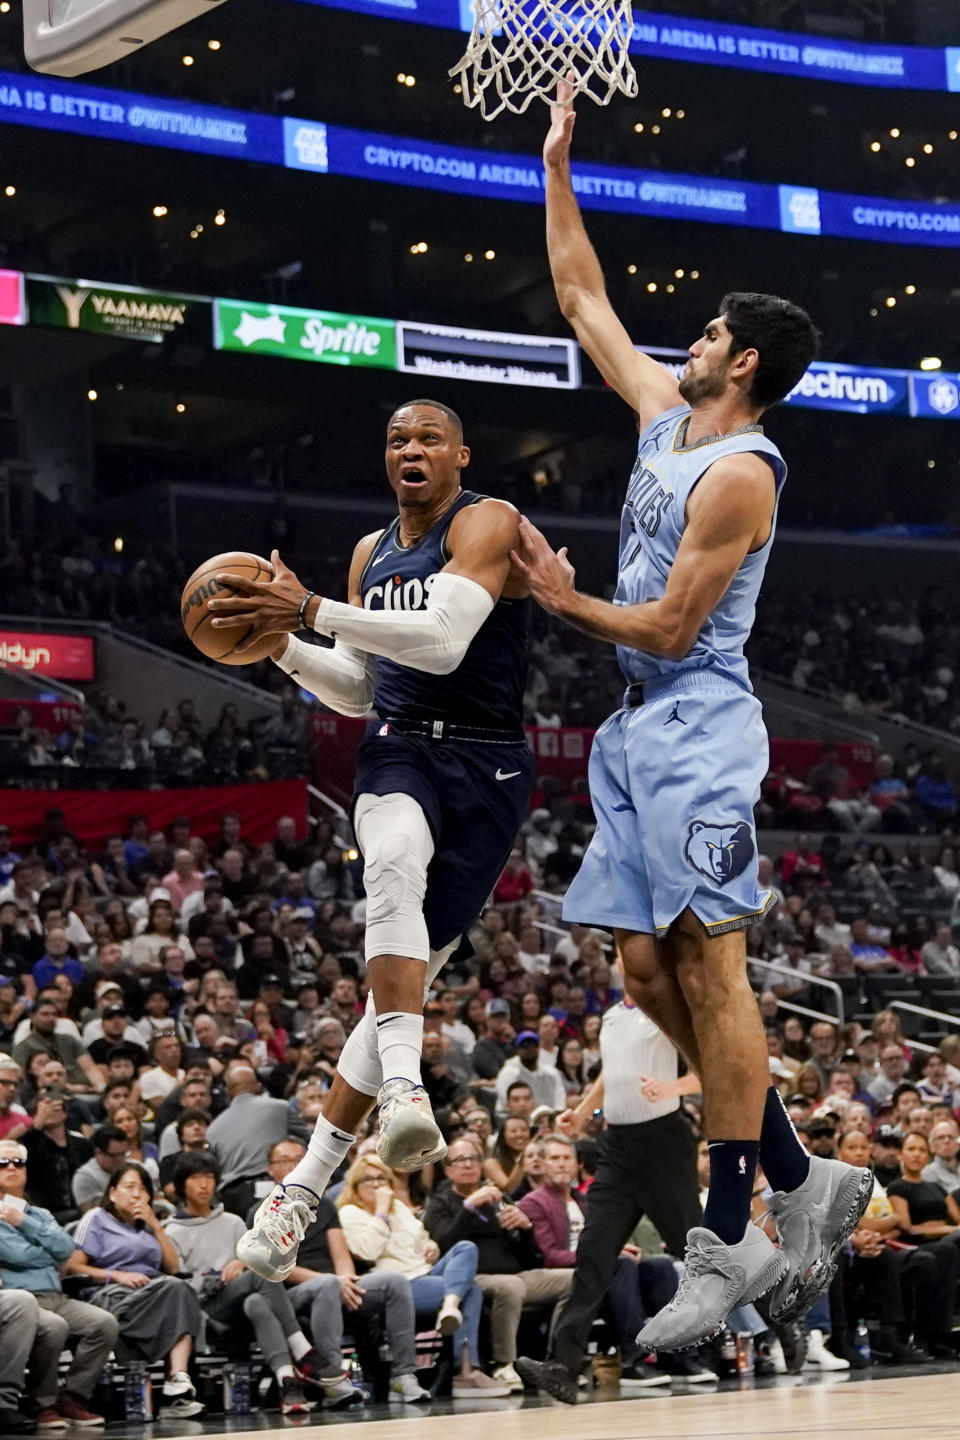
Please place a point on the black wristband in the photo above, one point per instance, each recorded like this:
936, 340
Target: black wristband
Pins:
303, 607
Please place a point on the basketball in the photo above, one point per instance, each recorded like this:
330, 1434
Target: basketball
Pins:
195, 613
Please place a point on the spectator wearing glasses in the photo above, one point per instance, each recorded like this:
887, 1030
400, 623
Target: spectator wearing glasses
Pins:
510, 1267
326, 1291
14, 1120
381, 1230
110, 1150
33, 1247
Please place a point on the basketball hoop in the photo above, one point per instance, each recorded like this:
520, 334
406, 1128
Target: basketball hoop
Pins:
520, 49
70, 37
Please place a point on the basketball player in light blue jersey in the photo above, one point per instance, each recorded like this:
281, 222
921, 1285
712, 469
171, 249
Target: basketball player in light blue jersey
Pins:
675, 774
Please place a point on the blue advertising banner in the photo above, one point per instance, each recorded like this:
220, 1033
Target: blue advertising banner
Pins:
738, 47
311, 145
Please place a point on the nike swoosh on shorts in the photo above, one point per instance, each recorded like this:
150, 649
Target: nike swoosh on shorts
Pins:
510, 775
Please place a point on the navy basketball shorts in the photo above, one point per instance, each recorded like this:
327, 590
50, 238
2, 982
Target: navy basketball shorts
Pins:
475, 797
673, 785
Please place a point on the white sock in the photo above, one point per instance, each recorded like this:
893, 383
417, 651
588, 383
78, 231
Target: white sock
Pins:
299, 1345
285, 1372
327, 1150
399, 1041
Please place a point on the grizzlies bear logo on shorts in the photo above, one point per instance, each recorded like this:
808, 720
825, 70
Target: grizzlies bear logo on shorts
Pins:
720, 852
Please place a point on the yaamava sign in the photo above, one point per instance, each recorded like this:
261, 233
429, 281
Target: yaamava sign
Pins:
305, 334
123, 311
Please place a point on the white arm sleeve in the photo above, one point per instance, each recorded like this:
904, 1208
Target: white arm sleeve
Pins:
434, 639
342, 678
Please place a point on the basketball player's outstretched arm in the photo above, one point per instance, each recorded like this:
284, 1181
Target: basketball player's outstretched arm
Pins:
435, 639
581, 293
729, 514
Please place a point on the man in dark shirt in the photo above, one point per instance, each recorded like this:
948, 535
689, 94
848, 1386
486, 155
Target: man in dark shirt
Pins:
510, 1267
113, 1023
324, 1283
495, 1046
54, 1153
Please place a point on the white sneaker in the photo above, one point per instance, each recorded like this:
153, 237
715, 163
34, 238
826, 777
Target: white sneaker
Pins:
777, 1358
507, 1375
408, 1390
819, 1357
270, 1246
449, 1316
409, 1136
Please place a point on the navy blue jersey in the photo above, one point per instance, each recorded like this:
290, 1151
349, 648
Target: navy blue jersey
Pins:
486, 689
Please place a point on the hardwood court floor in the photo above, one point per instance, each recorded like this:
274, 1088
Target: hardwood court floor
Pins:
909, 1408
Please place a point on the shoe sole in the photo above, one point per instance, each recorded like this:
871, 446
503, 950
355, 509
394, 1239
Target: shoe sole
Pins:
410, 1142
645, 1384
529, 1372
449, 1325
798, 1301
487, 1392
769, 1276
249, 1252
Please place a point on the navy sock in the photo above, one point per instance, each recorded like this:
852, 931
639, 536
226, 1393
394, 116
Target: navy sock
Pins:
785, 1162
733, 1165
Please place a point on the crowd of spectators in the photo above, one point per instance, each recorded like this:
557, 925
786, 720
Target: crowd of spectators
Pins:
897, 656
172, 1009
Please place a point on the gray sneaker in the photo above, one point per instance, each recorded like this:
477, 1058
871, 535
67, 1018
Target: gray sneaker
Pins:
409, 1136
814, 1223
270, 1246
716, 1277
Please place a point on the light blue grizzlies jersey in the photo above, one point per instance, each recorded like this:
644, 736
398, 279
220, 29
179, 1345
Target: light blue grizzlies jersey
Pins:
652, 526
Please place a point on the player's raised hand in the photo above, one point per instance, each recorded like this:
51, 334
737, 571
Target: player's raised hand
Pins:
549, 575
556, 147
261, 607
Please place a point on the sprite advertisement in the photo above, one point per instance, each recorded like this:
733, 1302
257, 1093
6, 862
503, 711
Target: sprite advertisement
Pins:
305, 334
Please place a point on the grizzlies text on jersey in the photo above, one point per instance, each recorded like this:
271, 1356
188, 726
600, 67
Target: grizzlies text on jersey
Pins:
675, 774
652, 526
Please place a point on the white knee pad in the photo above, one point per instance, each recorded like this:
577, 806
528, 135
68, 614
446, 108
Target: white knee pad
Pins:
359, 1063
393, 833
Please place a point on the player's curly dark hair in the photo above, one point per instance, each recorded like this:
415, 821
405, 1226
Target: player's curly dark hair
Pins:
783, 335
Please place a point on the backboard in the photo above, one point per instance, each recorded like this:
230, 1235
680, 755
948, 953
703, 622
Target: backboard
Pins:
70, 37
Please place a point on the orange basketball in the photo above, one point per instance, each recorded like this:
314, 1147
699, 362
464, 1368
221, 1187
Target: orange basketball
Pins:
196, 616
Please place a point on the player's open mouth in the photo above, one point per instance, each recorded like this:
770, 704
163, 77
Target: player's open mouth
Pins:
413, 477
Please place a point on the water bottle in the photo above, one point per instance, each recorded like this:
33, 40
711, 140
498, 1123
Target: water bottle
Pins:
728, 1354
861, 1340
236, 1389
745, 1355
137, 1394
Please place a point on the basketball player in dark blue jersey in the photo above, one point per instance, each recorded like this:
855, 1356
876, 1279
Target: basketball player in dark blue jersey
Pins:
434, 639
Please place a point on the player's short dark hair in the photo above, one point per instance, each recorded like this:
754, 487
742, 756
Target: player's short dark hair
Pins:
193, 1162
451, 415
783, 335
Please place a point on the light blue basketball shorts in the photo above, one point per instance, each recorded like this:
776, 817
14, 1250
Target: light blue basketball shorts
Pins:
673, 785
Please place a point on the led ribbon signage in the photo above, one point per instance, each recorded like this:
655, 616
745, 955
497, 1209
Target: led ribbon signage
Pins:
336, 150
735, 47
407, 346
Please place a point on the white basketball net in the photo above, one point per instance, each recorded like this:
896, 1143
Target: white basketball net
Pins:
521, 48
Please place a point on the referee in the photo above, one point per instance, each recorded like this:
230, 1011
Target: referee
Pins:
646, 1166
